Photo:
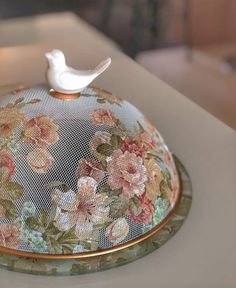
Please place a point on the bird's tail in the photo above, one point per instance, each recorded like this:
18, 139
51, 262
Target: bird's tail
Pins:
101, 67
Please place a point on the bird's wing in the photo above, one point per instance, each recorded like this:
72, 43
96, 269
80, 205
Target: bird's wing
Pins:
71, 80
80, 72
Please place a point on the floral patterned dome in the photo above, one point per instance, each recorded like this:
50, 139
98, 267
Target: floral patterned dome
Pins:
82, 175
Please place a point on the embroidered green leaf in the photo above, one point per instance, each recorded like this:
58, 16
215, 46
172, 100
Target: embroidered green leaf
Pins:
156, 157
33, 223
68, 236
98, 226
61, 237
119, 206
115, 141
101, 101
55, 184
135, 205
115, 192
53, 246
51, 229
18, 101
117, 131
87, 244
120, 125
12, 190
68, 248
107, 96
105, 189
165, 191
104, 164
140, 126
11, 211
105, 149
43, 218
51, 215
168, 179
23, 104
34, 101
103, 96
61, 241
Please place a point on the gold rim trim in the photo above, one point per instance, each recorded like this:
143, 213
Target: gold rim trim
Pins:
143, 237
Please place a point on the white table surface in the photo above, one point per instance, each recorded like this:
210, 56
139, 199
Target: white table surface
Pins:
203, 252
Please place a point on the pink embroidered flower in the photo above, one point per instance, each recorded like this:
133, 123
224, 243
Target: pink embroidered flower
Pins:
90, 168
148, 140
41, 131
10, 118
154, 179
103, 117
7, 167
40, 160
126, 171
133, 146
146, 211
9, 235
83, 209
117, 230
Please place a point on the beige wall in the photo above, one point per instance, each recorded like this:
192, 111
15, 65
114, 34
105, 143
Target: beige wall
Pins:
213, 21
209, 22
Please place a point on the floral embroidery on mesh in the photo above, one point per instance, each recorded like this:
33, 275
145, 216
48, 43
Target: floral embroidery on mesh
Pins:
128, 178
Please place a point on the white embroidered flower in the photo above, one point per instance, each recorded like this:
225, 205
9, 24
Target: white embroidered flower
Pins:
83, 209
117, 230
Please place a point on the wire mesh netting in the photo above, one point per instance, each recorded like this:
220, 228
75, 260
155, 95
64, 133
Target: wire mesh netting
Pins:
79, 175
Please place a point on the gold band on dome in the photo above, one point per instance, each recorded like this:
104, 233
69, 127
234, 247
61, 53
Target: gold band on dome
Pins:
65, 97
89, 254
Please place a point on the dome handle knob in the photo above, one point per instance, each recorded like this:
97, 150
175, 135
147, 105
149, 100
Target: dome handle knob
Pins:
65, 80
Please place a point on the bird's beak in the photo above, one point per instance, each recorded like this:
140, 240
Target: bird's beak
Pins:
48, 55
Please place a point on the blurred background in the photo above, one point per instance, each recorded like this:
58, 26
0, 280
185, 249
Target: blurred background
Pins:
189, 44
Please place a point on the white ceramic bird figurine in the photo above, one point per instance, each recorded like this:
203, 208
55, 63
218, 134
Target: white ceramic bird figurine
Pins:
67, 80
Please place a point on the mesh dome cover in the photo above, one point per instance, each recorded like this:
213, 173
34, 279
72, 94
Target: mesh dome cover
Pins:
80, 175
